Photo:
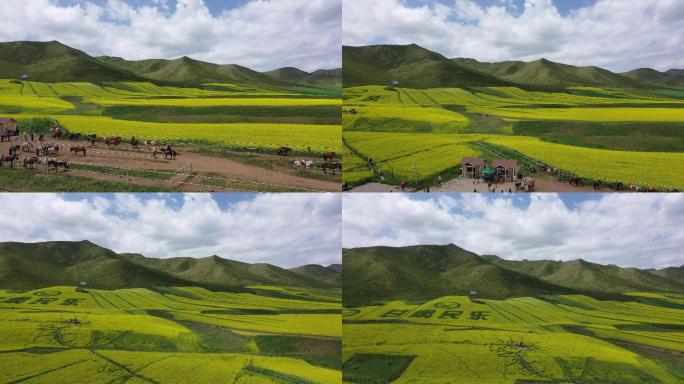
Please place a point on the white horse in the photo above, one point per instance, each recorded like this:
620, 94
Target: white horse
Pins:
306, 164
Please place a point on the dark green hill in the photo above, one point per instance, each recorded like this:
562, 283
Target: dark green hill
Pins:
318, 272
411, 65
55, 62
35, 265
425, 272
336, 267
218, 271
27, 266
545, 73
674, 78
319, 78
190, 71
581, 274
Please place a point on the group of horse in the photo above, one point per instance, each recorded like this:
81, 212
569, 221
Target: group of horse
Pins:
329, 163
44, 149
30, 162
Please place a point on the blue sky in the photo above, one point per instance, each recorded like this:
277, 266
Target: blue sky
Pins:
262, 35
174, 200
619, 35
564, 6
287, 230
630, 230
215, 6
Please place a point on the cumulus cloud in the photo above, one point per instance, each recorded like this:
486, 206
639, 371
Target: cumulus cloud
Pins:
641, 231
260, 34
283, 229
615, 34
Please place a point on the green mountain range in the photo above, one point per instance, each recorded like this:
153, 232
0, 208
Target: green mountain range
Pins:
36, 265
545, 73
321, 77
55, 62
417, 67
673, 78
411, 65
380, 274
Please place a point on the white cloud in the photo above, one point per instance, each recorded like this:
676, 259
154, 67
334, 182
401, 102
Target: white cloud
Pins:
283, 229
624, 229
615, 34
260, 34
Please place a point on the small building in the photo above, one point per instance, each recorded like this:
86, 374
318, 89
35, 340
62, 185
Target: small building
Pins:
8, 124
24, 77
472, 166
473, 295
506, 169
395, 83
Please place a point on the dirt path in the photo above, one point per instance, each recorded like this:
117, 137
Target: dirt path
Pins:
190, 162
543, 183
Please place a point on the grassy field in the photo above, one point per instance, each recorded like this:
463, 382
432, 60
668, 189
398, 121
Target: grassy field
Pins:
170, 335
548, 339
225, 115
616, 135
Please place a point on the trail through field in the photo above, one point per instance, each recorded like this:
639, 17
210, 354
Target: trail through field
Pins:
205, 166
542, 184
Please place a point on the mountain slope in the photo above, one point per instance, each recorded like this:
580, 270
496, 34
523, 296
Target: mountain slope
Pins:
581, 274
411, 65
187, 70
671, 273
319, 78
55, 62
674, 78
218, 271
545, 73
318, 272
379, 274
424, 272
26, 266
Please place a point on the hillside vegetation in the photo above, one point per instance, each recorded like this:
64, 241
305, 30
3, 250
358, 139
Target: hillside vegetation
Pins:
55, 62
31, 266
379, 274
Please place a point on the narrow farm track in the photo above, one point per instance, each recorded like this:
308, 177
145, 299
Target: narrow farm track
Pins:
123, 368
250, 177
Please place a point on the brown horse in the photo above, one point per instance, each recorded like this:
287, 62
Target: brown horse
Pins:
55, 164
14, 149
112, 140
329, 156
78, 149
284, 151
8, 159
30, 162
169, 154
334, 166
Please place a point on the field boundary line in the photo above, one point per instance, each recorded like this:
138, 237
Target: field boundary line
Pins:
123, 367
45, 372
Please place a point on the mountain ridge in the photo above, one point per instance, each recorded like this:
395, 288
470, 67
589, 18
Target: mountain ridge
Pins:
53, 61
416, 67
34, 265
422, 272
